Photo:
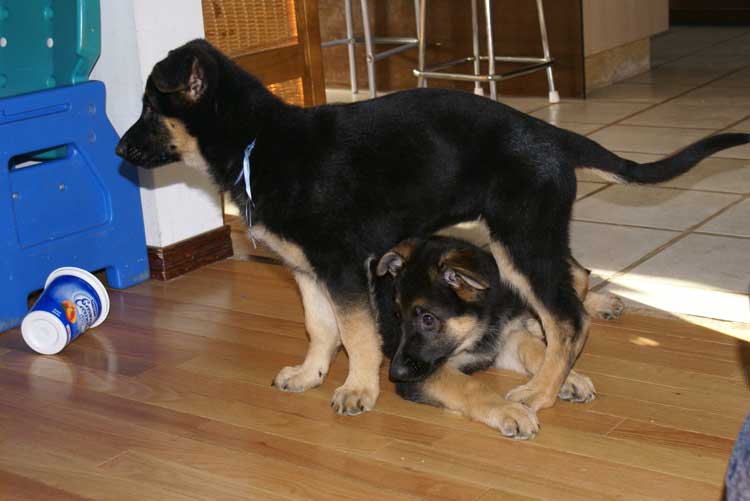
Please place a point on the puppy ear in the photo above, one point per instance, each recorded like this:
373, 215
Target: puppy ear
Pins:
460, 268
393, 260
185, 75
458, 279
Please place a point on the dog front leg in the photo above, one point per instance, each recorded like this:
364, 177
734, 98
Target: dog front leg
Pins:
321, 325
458, 392
363, 346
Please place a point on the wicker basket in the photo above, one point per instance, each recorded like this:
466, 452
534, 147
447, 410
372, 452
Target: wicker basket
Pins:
239, 27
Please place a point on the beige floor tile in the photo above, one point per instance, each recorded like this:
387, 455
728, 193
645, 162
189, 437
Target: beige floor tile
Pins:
606, 249
735, 221
641, 292
660, 140
588, 112
589, 176
716, 174
578, 128
705, 261
525, 104
638, 93
736, 97
714, 62
739, 79
668, 75
652, 207
742, 152
689, 114
585, 187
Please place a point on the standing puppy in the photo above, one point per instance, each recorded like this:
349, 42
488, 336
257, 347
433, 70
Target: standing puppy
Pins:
326, 187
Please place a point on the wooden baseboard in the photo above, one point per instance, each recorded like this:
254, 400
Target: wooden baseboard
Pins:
190, 254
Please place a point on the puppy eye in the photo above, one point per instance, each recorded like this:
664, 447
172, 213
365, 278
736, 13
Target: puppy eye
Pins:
428, 321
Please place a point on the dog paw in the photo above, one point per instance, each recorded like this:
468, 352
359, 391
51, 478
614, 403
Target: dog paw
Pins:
514, 420
351, 400
298, 378
577, 388
604, 306
531, 396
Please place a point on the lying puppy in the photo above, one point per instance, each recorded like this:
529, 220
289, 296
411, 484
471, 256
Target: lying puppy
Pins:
443, 312
329, 186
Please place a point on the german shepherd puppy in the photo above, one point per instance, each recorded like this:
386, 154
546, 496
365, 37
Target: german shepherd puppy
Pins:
333, 185
443, 312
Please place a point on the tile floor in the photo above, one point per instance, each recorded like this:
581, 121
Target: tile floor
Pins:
681, 248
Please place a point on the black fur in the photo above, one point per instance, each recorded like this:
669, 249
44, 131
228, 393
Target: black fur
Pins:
345, 182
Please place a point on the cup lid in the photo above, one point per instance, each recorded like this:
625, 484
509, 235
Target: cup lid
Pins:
44, 332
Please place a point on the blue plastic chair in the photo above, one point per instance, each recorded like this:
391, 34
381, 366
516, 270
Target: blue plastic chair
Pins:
82, 209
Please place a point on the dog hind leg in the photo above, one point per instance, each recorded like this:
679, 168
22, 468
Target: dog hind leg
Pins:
362, 343
565, 329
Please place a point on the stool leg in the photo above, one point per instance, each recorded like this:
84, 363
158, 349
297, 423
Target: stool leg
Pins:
554, 97
369, 48
350, 45
478, 89
490, 47
422, 81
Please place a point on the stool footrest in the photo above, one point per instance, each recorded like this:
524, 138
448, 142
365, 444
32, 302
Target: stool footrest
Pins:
434, 71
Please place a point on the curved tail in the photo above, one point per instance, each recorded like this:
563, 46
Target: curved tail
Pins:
595, 157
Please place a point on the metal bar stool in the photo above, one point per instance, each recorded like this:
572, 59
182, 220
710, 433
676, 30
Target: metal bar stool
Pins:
401, 43
533, 63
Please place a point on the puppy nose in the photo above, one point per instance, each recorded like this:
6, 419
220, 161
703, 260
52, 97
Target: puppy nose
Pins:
398, 372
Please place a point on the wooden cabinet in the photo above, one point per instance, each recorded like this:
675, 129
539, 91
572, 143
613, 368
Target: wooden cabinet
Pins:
278, 41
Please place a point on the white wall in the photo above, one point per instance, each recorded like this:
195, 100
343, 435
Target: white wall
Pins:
178, 202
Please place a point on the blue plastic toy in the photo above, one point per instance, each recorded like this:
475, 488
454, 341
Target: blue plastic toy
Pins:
47, 43
82, 209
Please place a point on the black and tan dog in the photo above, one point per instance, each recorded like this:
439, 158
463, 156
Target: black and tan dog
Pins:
443, 313
333, 185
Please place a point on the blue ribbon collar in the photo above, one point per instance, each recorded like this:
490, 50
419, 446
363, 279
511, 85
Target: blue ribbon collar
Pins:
245, 172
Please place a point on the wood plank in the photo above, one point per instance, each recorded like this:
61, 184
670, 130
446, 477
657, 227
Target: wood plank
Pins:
18, 488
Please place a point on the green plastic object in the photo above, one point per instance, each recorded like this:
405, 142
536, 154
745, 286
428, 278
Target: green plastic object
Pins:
47, 43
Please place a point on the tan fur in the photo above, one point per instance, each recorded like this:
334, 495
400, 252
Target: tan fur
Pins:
362, 342
465, 330
186, 144
458, 392
606, 176
580, 278
292, 254
542, 390
523, 352
321, 325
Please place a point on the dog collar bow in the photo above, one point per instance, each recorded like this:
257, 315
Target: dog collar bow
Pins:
245, 172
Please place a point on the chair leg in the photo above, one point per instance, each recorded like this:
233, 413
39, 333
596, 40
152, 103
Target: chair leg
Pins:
351, 45
369, 49
478, 89
422, 33
490, 47
554, 97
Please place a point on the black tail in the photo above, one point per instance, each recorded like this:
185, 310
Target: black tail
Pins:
594, 156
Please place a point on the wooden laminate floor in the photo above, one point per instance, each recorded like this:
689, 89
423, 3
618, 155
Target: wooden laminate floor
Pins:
170, 399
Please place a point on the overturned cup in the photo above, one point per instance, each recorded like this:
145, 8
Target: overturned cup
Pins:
73, 301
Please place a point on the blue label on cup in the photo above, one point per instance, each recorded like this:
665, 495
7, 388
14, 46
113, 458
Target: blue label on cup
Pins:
73, 301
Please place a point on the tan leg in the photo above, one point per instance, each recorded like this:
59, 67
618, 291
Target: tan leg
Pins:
363, 345
523, 352
458, 392
597, 304
323, 330
541, 391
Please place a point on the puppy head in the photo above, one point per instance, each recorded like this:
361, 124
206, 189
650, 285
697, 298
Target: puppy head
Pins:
178, 90
441, 294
